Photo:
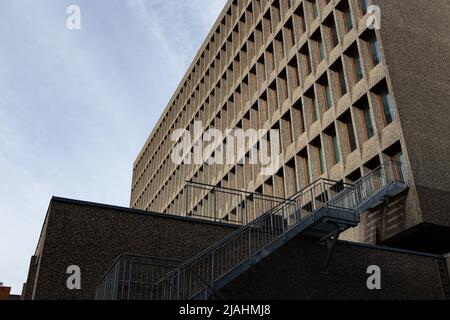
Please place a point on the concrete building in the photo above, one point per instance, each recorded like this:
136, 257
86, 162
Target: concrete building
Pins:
363, 122
344, 97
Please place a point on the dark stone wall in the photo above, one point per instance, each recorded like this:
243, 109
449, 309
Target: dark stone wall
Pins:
27, 291
416, 43
293, 272
92, 236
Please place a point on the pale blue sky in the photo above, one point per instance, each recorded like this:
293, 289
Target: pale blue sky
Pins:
77, 106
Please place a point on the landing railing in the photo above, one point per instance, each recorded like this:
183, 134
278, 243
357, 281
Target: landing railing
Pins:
222, 204
200, 276
134, 277
240, 246
391, 173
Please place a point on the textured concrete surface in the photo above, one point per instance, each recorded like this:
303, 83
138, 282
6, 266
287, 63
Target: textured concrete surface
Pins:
415, 49
293, 272
416, 44
91, 236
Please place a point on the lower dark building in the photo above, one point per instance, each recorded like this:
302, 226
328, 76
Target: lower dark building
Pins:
123, 253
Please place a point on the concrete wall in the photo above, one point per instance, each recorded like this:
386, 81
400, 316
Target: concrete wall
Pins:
92, 236
415, 47
293, 272
416, 43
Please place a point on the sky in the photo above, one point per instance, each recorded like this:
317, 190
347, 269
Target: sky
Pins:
76, 106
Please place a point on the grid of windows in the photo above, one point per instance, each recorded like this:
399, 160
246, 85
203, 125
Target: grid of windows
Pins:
266, 64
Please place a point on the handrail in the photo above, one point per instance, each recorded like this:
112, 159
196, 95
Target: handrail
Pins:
245, 242
234, 233
132, 255
124, 262
238, 191
285, 206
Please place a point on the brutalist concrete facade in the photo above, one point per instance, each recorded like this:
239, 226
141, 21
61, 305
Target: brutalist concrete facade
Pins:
345, 98
92, 236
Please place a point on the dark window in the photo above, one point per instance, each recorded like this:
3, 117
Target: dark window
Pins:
385, 102
363, 5
356, 65
367, 121
347, 17
374, 50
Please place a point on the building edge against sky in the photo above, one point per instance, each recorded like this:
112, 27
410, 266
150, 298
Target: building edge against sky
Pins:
344, 97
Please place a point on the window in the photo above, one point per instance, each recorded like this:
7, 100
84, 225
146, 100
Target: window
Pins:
364, 4
294, 80
315, 8
356, 64
318, 154
278, 47
320, 49
332, 31
374, 50
367, 120
286, 129
272, 95
299, 21
333, 145
283, 86
340, 78
342, 83
276, 14
290, 178
267, 25
324, 88
270, 61
305, 60
396, 168
261, 70
395, 154
347, 17
289, 35
349, 131
398, 157
313, 107
304, 169
308, 64
385, 103
297, 117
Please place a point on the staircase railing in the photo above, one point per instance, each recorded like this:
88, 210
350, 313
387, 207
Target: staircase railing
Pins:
240, 246
134, 277
391, 172
189, 279
223, 204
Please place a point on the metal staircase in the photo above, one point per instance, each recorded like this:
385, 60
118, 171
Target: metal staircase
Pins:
321, 211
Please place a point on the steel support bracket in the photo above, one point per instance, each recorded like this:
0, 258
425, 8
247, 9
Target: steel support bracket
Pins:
330, 242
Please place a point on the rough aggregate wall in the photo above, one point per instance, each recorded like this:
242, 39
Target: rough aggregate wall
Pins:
416, 42
293, 272
92, 237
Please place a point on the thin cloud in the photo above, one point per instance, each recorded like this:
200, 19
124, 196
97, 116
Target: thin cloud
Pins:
76, 107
